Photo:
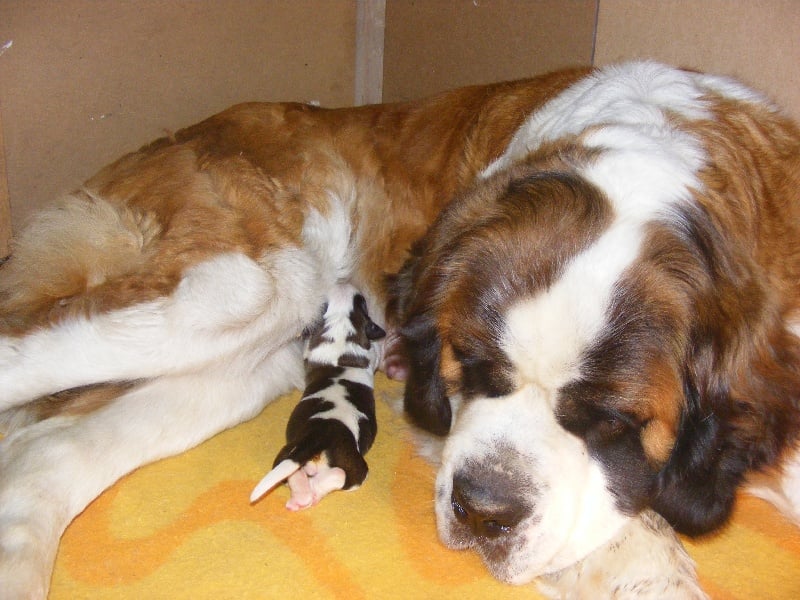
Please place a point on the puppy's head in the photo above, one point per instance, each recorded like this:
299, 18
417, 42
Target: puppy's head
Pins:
344, 335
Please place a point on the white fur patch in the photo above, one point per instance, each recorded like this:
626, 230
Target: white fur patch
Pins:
329, 237
629, 94
734, 89
784, 490
343, 411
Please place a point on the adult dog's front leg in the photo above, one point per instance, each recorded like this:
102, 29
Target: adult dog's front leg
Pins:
644, 561
50, 471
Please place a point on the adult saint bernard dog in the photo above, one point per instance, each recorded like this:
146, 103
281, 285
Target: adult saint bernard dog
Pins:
601, 304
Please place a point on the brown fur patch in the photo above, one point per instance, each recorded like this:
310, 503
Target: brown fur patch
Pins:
450, 369
78, 401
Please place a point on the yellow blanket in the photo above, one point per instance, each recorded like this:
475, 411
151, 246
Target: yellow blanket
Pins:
183, 528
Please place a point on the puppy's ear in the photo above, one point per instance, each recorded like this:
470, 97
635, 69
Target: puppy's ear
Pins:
374, 331
425, 400
371, 329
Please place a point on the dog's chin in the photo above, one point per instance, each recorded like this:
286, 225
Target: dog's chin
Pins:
520, 558
528, 551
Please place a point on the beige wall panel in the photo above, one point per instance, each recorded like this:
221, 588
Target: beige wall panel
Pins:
758, 42
85, 81
5, 213
432, 45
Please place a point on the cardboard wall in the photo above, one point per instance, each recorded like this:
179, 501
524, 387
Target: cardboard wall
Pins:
85, 81
758, 42
432, 46
5, 207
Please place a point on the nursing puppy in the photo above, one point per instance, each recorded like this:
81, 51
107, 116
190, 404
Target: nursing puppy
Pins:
334, 424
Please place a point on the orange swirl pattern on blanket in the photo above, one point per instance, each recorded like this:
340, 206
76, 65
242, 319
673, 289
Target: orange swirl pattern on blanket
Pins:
183, 528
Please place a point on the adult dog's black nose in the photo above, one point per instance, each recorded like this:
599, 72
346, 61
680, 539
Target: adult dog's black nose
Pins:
489, 503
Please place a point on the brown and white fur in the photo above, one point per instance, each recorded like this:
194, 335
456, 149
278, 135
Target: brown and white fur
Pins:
608, 320
334, 424
639, 286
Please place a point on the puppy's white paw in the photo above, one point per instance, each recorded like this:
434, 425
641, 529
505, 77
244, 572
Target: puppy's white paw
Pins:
302, 494
308, 483
312, 483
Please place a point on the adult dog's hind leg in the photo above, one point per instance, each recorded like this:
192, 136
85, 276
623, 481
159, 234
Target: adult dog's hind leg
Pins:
50, 471
220, 306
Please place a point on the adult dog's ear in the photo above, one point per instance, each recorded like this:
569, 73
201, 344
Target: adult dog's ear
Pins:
738, 418
425, 400
695, 490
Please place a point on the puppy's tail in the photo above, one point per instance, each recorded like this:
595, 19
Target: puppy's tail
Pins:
280, 473
289, 459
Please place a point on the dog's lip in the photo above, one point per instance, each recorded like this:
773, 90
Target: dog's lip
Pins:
448, 529
498, 563
506, 571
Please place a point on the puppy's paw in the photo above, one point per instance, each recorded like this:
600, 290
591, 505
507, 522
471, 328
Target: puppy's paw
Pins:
312, 483
308, 483
300, 486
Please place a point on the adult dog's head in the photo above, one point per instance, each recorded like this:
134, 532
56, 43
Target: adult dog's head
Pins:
608, 320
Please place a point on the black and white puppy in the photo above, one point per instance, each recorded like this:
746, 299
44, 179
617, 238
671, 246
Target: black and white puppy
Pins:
333, 426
